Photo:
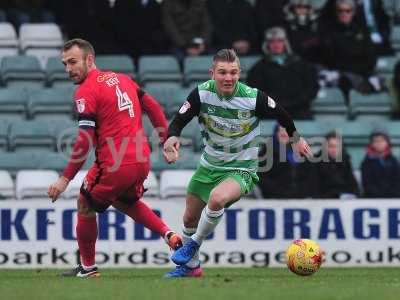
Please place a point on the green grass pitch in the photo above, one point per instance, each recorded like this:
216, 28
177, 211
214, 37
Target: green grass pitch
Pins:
217, 284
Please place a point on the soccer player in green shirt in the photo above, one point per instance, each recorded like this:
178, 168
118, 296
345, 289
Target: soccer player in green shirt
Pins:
228, 112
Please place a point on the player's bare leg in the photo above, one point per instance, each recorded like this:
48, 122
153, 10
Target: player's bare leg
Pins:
142, 214
191, 217
226, 192
86, 233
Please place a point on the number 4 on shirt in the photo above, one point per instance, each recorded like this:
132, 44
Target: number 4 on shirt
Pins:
124, 102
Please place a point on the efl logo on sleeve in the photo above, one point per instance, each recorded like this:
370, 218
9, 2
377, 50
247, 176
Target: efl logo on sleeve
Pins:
80, 105
271, 102
185, 106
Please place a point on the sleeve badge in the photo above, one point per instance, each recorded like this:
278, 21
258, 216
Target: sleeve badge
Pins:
80, 105
185, 106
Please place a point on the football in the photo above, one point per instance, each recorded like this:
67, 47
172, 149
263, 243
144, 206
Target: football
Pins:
303, 257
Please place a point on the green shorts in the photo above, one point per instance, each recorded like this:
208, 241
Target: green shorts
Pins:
205, 180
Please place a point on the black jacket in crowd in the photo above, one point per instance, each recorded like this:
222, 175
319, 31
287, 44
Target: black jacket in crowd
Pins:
294, 85
232, 20
269, 14
305, 39
336, 178
138, 27
348, 48
380, 177
382, 19
285, 180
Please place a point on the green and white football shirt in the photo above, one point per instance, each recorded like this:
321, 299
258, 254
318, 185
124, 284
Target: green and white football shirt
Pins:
229, 125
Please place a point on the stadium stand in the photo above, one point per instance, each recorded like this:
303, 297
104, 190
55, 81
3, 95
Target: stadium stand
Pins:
49, 160
4, 134
22, 71
196, 69
8, 40
54, 103
173, 183
370, 107
35, 121
116, 63
246, 62
13, 103
385, 64
72, 191
31, 135
55, 73
169, 96
6, 186
152, 186
188, 159
330, 105
14, 161
3, 17
34, 183
191, 136
42, 40
396, 37
159, 69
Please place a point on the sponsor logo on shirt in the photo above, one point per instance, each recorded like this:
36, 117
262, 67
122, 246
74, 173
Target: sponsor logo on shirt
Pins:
80, 105
105, 76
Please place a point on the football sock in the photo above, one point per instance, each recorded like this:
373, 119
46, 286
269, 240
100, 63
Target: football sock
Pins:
186, 234
86, 235
142, 214
208, 221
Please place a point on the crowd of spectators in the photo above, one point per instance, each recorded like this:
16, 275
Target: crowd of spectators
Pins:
329, 174
301, 49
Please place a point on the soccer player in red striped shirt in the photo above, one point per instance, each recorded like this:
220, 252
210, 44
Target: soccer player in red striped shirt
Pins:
109, 107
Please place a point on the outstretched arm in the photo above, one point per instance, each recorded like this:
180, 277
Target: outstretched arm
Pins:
189, 109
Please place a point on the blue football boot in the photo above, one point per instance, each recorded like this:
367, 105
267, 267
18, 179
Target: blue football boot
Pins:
185, 253
184, 271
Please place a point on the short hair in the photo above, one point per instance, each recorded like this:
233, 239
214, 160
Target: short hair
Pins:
346, 2
81, 44
226, 55
332, 135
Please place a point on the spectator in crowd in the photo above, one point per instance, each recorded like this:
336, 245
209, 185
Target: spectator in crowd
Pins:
90, 20
269, 14
380, 169
29, 11
187, 25
288, 177
284, 75
348, 52
370, 14
335, 172
4, 5
233, 25
303, 29
2, 16
134, 38
396, 89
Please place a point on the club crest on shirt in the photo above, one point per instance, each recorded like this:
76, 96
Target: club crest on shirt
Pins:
80, 105
243, 114
185, 106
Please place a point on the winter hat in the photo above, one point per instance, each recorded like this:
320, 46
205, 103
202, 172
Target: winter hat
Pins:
276, 33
